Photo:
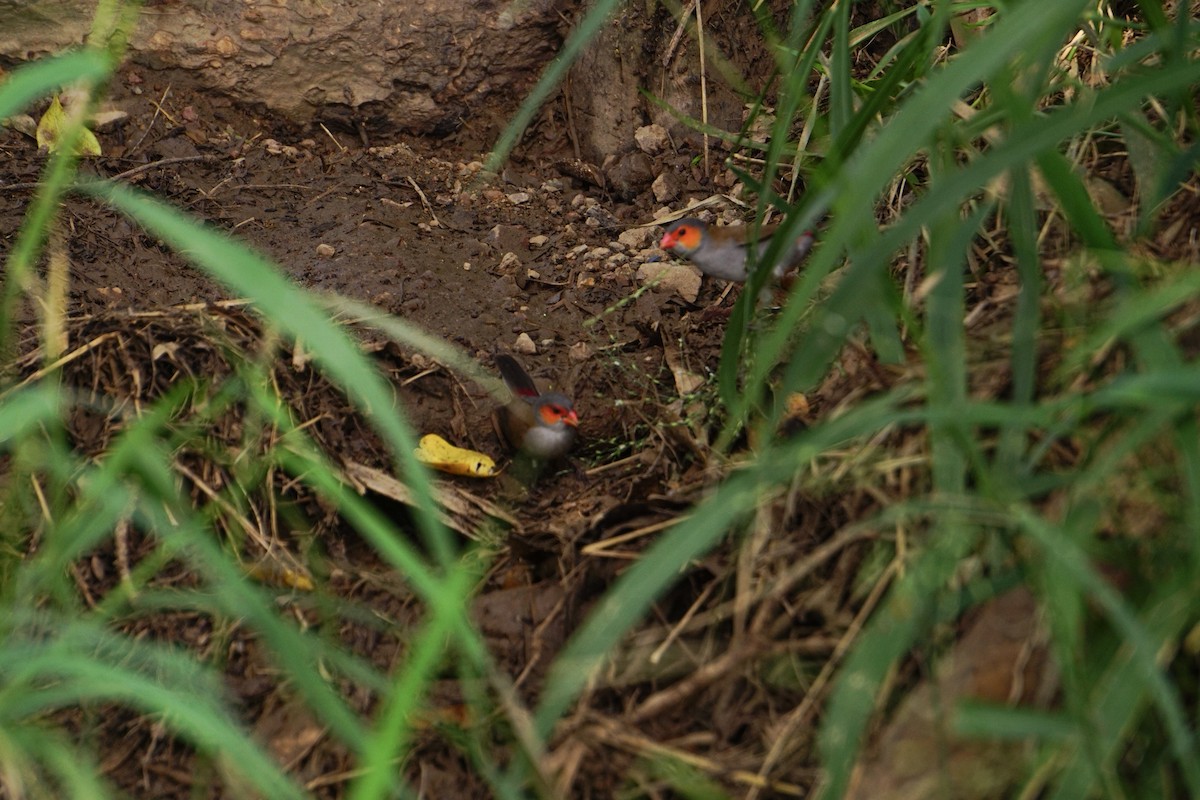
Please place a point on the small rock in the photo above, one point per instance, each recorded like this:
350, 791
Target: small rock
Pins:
507, 237
639, 238
652, 139
666, 187
539, 240
599, 253
506, 286
580, 351
105, 121
683, 280
510, 264
599, 216
629, 174
519, 198
182, 147
325, 250
525, 345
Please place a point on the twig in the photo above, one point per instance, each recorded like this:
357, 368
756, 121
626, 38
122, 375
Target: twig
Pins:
679, 29
800, 713
601, 548
158, 109
424, 201
333, 138
677, 629
162, 162
640, 745
703, 89
129, 173
71, 356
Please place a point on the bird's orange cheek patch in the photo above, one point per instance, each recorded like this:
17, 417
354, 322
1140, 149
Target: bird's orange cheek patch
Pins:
552, 416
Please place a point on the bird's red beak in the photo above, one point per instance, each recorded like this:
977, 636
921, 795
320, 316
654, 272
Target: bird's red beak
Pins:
668, 241
571, 418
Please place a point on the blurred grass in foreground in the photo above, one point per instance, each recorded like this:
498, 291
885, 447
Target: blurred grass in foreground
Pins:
988, 135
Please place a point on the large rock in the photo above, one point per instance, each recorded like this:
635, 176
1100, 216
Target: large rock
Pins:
417, 65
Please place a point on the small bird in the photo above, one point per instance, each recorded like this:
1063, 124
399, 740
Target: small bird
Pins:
721, 251
541, 426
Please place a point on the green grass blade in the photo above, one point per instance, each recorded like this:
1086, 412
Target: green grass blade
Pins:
584, 32
290, 309
1071, 564
659, 566
40, 78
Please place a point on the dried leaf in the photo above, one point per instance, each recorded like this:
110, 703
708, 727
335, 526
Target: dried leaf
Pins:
51, 127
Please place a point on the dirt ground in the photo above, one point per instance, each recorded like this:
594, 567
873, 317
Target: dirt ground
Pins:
412, 228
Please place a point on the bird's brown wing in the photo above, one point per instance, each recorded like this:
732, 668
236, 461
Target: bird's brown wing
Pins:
512, 421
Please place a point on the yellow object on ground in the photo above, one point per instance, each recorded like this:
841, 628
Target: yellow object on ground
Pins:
50, 129
441, 455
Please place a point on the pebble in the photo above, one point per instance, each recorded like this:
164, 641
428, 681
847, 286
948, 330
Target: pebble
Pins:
539, 240
519, 198
666, 187
629, 173
580, 351
652, 139
525, 345
509, 263
639, 238
684, 281
106, 121
507, 237
506, 286
325, 250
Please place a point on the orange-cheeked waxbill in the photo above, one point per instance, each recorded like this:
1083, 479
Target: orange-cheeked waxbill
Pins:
721, 251
542, 426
